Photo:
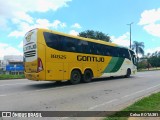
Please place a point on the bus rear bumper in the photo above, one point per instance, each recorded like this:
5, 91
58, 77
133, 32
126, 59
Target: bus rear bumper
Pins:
32, 76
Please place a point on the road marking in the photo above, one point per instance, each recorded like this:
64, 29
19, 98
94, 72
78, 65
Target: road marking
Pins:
2, 95
105, 103
140, 91
13, 84
64, 118
142, 76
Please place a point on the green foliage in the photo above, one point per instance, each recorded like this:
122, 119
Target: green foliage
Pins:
4, 77
142, 65
95, 35
138, 47
154, 59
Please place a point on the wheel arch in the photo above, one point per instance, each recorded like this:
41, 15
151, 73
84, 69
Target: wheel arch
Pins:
76, 69
128, 72
129, 69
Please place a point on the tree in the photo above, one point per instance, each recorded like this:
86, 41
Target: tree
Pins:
95, 35
138, 47
154, 60
144, 64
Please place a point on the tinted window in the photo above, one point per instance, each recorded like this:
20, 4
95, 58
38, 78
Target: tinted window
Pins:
107, 50
64, 43
85, 47
69, 44
52, 40
100, 49
93, 48
126, 53
112, 51
133, 57
80, 46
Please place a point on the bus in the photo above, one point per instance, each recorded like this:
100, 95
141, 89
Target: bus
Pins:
55, 56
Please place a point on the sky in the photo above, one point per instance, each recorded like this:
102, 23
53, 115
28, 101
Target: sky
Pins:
74, 16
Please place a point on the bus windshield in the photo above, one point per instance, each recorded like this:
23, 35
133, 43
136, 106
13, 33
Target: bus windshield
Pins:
133, 56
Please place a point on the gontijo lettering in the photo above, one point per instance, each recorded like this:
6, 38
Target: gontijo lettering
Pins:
29, 47
90, 58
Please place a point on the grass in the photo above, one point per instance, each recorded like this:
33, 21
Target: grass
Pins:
4, 77
150, 103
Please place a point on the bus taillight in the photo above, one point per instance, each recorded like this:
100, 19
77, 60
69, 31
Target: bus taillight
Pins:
40, 65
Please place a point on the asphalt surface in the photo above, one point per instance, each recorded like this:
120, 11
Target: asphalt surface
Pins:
107, 94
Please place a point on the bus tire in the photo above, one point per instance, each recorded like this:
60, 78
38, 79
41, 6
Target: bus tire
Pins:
128, 74
58, 82
87, 77
75, 77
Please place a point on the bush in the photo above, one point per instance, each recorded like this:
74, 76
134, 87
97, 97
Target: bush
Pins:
4, 76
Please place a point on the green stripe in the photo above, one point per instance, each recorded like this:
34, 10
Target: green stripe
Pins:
114, 65
111, 65
118, 65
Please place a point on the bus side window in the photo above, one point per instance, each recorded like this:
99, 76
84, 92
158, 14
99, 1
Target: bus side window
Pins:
112, 51
52, 40
121, 54
69, 44
85, 47
127, 54
118, 52
93, 49
90, 47
124, 53
102, 50
107, 51
133, 57
79, 46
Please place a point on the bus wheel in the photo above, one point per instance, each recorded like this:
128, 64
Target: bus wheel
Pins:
87, 77
75, 77
58, 82
128, 73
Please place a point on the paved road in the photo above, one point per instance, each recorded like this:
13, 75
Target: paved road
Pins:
100, 95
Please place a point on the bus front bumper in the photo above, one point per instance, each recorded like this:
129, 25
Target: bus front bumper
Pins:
134, 71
